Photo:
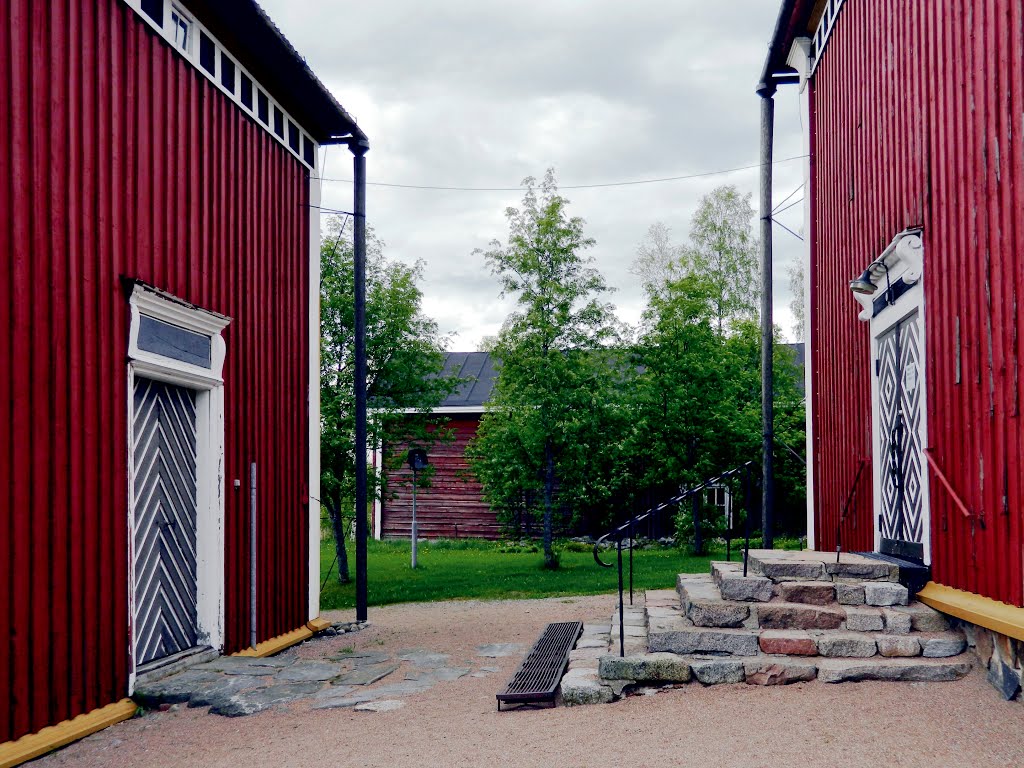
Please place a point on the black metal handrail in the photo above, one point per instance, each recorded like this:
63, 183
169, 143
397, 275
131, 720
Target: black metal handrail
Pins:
629, 527
846, 507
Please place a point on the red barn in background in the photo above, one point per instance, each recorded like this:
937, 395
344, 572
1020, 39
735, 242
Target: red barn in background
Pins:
453, 505
159, 389
915, 262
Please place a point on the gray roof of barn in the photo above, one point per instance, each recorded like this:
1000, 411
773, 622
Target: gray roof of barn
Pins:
480, 369
476, 366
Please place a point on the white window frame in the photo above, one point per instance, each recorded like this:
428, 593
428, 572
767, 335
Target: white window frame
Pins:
185, 21
191, 54
147, 301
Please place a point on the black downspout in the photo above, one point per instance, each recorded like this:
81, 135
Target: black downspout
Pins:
359, 148
766, 90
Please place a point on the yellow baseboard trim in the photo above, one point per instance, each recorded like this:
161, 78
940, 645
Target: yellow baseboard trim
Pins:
33, 745
983, 611
277, 644
319, 624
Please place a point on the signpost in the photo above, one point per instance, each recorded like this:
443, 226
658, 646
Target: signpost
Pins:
417, 461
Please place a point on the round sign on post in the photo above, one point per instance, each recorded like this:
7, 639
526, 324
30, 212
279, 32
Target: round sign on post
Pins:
417, 460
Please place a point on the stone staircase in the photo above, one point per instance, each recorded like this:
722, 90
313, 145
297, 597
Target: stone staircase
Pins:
796, 616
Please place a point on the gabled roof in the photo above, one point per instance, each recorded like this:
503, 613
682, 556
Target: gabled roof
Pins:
477, 366
250, 35
480, 369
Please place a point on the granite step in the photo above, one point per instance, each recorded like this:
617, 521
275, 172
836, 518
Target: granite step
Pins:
782, 615
797, 605
733, 585
787, 565
917, 669
681, 637
670, 668
702, 603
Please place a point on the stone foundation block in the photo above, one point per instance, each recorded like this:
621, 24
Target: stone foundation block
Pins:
704, 606
898, 645
779, 671
896, 622
849, 594
736, 642
584, 686
924, 618
864, 619
918, 670
788, 642
749, 589
1005, 678
647, 667
808, 592
782, 570
944, 645
885, 593
718, 671
797, 616
846, 644
864, 570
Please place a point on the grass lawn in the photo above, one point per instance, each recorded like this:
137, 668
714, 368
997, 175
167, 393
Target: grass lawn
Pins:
464, 569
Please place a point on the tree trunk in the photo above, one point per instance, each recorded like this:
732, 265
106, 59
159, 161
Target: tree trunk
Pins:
338, 528
549, 492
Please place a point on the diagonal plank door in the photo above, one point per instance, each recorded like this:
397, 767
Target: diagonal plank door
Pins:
165, 520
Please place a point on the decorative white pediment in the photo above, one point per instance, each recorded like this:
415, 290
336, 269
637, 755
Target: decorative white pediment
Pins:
903, 259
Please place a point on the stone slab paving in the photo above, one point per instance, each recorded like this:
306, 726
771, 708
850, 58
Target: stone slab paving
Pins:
387, 705
498, 650
235, 686
367, 674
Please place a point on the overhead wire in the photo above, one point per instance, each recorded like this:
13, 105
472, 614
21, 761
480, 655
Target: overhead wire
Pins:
635, 182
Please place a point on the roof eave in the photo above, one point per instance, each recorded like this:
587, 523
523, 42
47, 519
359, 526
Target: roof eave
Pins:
790, 24
254, 38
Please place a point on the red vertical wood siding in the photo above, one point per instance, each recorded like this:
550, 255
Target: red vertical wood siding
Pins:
117, 158
917, 120
453, 506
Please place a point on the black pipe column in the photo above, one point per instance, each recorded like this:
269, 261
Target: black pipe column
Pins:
359, 148
766, 90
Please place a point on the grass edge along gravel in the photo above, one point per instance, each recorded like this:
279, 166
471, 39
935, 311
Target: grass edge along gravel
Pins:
472, 569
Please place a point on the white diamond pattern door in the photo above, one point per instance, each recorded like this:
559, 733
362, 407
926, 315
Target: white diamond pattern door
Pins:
166, 492
910, 436
901, 524
889, 420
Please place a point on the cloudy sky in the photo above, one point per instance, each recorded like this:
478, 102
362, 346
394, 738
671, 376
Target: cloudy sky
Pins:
467, 93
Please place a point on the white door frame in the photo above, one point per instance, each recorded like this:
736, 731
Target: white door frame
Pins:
209, 388
902, 261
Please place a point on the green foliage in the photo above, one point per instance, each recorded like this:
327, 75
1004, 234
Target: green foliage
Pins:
404, 354
585, 427
553, 396
696, 400
724, 252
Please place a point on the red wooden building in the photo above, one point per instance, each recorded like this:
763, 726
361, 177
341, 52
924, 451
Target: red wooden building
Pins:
912, 115
159, 416
453, 505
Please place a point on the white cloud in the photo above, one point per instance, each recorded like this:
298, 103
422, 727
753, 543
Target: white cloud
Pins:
483, 94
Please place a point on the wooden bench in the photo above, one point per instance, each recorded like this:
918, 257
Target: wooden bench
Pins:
536, 680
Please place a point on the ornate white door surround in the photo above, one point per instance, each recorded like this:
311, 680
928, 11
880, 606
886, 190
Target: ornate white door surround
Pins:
175, 476
891, 293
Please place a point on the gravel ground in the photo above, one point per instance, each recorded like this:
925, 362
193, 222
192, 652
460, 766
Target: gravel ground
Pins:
455, 723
